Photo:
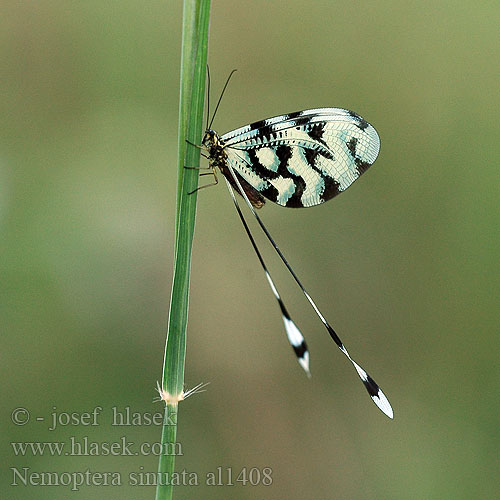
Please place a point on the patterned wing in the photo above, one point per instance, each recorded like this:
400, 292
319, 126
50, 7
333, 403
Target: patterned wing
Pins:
304, 158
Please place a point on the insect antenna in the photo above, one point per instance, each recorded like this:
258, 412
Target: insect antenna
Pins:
295, 338
208, 94
220, 98
378, 397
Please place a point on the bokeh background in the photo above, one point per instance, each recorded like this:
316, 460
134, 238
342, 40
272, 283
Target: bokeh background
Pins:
405, 264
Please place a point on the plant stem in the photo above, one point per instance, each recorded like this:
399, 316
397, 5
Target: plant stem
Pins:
192, 96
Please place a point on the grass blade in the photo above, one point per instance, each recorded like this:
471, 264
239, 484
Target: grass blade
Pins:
196, 16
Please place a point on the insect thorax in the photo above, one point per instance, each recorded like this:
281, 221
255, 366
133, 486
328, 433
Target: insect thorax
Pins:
218, 158
215, 147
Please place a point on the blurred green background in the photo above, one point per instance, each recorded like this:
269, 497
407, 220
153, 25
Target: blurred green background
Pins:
405, 265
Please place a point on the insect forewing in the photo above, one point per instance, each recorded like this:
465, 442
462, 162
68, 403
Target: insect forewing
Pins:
304, 158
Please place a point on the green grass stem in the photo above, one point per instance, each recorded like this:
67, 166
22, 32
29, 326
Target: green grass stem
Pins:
196, 16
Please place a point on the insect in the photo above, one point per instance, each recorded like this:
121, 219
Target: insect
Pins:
296, 160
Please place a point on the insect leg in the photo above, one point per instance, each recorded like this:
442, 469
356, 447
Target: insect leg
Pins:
216, 181
208, 167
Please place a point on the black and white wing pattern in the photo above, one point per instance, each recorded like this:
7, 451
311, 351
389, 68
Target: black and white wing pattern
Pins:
304, 158
297, 160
